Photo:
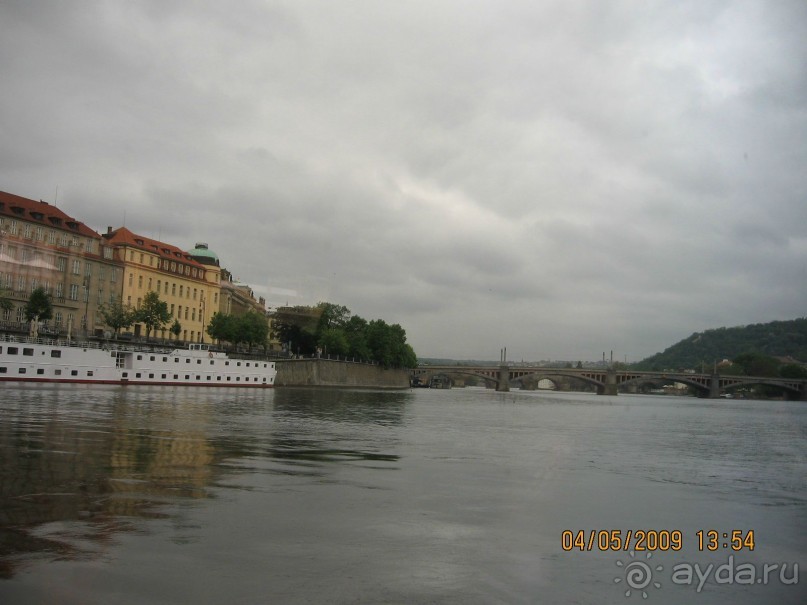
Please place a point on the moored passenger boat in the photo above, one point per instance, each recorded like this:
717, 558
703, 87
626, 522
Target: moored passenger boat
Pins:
38, 360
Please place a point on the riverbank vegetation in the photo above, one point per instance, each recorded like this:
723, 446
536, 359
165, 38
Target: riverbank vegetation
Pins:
330, 329
782, 341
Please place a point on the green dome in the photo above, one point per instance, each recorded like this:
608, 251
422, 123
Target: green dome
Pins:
204, 255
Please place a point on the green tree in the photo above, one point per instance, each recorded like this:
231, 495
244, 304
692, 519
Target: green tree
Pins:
117, 316
39, 306
5, 302
153, 313
176, 328
356, 334
757, 364
251, 328
793, 370
221, 327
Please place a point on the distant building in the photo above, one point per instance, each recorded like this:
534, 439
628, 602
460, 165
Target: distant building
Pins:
41, 246
190, 288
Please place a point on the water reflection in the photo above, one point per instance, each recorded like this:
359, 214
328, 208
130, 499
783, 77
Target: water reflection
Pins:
79, 465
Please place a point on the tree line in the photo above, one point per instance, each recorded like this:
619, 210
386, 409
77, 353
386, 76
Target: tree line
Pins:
330, 329
772, 339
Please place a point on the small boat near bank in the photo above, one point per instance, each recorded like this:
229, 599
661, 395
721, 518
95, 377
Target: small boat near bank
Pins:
59, 361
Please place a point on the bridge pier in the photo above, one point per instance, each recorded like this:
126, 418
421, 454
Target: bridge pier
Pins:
714, 386
504, 379
610, 384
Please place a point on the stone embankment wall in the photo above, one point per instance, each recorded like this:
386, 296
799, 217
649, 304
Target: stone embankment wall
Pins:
330, 373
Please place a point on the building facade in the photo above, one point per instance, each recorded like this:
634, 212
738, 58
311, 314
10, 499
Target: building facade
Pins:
41, 246
191, 289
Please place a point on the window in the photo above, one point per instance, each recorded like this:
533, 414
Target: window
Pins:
139, 281
40, 371
107, 252
55, 353
51, 236
28, 352
180, 291
60, 290
73, 291
76, 267
12, 350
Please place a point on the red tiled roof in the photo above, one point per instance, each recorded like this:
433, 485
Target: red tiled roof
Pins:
17, 207
122, 236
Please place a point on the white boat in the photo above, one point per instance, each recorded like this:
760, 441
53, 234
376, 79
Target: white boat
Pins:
39, 360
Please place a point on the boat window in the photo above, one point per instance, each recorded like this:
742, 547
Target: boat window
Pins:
228, 378
151, 358
22, 370
55, 353
58, 372
125, 374
165, 359
176, 376
28, 352
12, 350
137, 375
164, 376
198, 361
139, 357
217, 377
211, 362
89, 373
3, 370
74, 372
176, 359
208, 377
40, 370
238, 363
198, 377
226, 363
187, 377
187, 361
151, 375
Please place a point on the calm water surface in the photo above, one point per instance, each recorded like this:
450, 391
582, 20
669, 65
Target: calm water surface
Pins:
159, 495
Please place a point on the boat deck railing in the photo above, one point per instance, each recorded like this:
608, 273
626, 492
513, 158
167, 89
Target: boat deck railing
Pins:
83, 344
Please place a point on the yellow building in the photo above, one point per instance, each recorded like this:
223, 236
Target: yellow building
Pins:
190, 288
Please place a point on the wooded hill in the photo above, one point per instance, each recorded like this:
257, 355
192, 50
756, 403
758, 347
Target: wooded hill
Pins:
702, 349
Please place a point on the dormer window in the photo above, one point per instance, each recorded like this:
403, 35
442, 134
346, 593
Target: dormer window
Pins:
38, 215
18, 210
55, 220
139, 242
72, 225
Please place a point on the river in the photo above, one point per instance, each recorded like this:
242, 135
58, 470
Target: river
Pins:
163, 496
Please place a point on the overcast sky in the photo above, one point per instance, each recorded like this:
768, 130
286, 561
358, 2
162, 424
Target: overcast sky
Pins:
557, 177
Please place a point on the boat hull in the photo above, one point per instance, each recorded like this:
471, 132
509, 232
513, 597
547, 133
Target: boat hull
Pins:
62, 362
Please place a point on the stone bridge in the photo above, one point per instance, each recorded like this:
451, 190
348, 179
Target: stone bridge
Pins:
608, 381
